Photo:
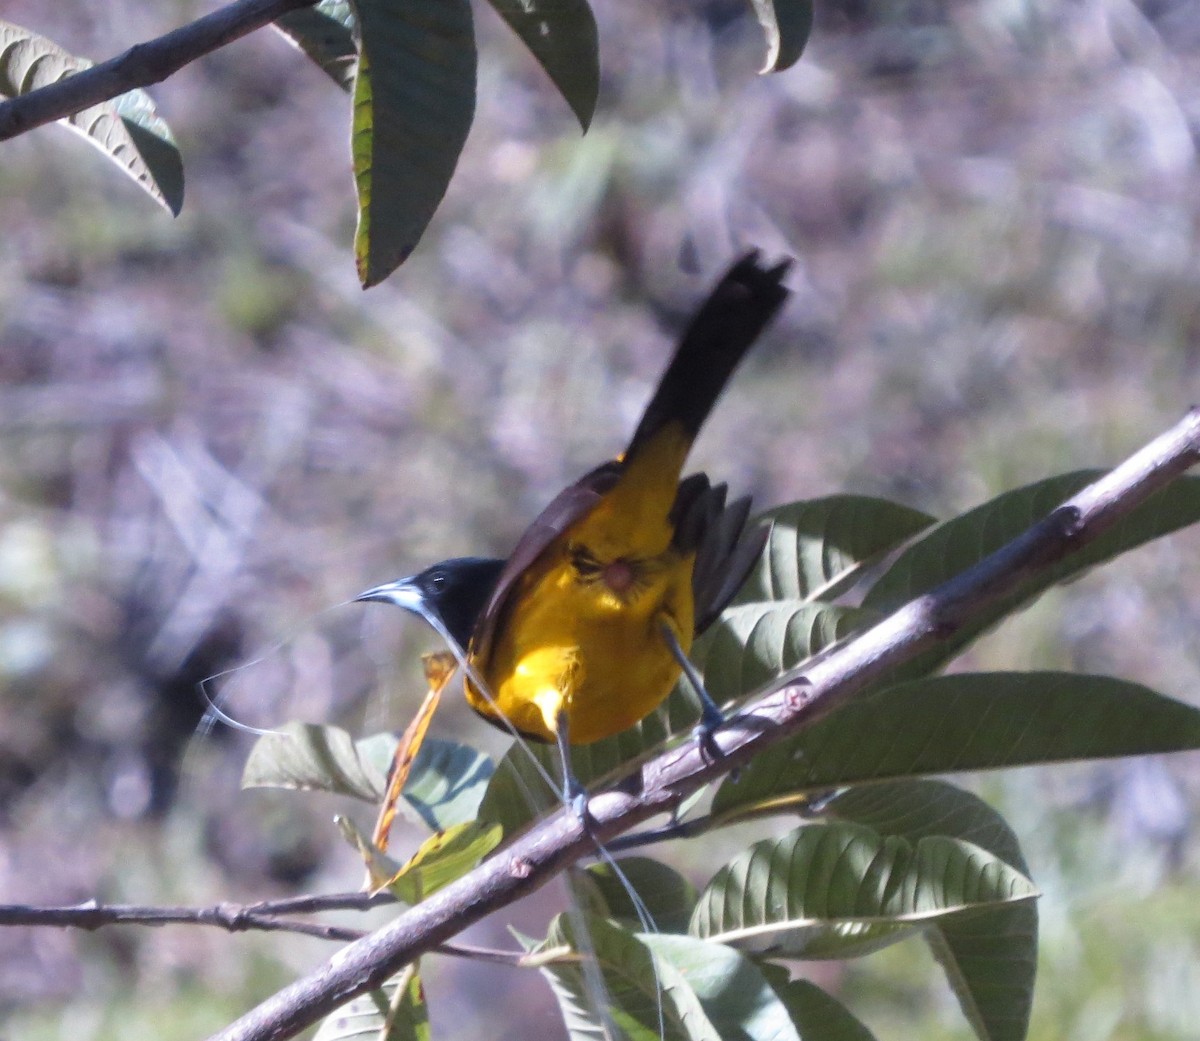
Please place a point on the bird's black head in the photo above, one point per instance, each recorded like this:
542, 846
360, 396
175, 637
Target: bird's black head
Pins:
454, 591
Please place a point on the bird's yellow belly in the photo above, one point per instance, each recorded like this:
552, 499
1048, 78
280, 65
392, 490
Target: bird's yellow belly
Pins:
598, 658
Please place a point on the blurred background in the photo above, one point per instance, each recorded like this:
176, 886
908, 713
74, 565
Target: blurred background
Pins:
211, 438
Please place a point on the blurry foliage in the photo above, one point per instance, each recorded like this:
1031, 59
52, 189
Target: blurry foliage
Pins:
993, 206
411, 72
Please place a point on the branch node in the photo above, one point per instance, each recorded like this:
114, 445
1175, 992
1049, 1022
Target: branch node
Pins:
797, 695
1069, 521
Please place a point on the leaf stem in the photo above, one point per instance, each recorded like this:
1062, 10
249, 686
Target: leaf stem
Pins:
141, 65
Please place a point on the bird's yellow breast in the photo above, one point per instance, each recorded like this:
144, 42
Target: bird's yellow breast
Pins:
583, 634
574, 645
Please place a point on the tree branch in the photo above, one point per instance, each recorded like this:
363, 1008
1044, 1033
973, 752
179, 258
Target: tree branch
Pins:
233, 918
659, 785
141, 65
263, 916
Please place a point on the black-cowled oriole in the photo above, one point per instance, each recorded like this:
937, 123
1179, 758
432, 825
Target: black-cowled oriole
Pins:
584, 629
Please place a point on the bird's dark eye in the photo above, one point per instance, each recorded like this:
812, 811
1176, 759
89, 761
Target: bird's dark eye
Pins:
583, 561
438, 579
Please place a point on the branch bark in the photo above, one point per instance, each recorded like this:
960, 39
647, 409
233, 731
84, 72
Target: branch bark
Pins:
268, 916
660, 784
140, 66
262, 916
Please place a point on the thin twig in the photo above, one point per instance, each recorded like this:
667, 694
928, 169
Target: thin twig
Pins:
232, 918
662, 783
313, 903
263, 916
141, 65
516, 959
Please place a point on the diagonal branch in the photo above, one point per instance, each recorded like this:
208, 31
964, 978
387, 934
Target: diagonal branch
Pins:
141, 65
660, 785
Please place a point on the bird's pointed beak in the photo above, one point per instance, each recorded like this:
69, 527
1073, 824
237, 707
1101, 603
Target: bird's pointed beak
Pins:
403, 593
406, 593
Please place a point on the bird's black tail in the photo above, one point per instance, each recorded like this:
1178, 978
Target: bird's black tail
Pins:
720, 334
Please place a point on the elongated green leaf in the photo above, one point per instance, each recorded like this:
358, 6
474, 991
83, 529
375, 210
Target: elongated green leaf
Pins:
395, 1012
308, 757
444, 858
127, 129
561, 34
733, 991
990, 956
818, 1016
518, 792
644, 997
753, 644
663, 895
787, 24
325, 32
786, 896
818, 547
956, 545
414, 99
915, 809
970, 721
447, 781
528, 779
441, 859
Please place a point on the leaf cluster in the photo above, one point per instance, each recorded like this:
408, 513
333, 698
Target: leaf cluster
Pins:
880, 850
411, 71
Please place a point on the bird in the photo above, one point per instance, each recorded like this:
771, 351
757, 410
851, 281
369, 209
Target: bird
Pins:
586, 626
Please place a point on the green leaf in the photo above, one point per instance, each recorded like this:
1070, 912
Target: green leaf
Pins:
795, 896
448, 779
440, 860
818, 547
562, 36
990, 957
611, 973
915, 809
447, 782
395, 1012
787, 24
958, 544
663, 894
733, 991
753, 644
308, 757
127, 129
819, 1016
519, 791
968, 721
325, 32
444, 858
414, 98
